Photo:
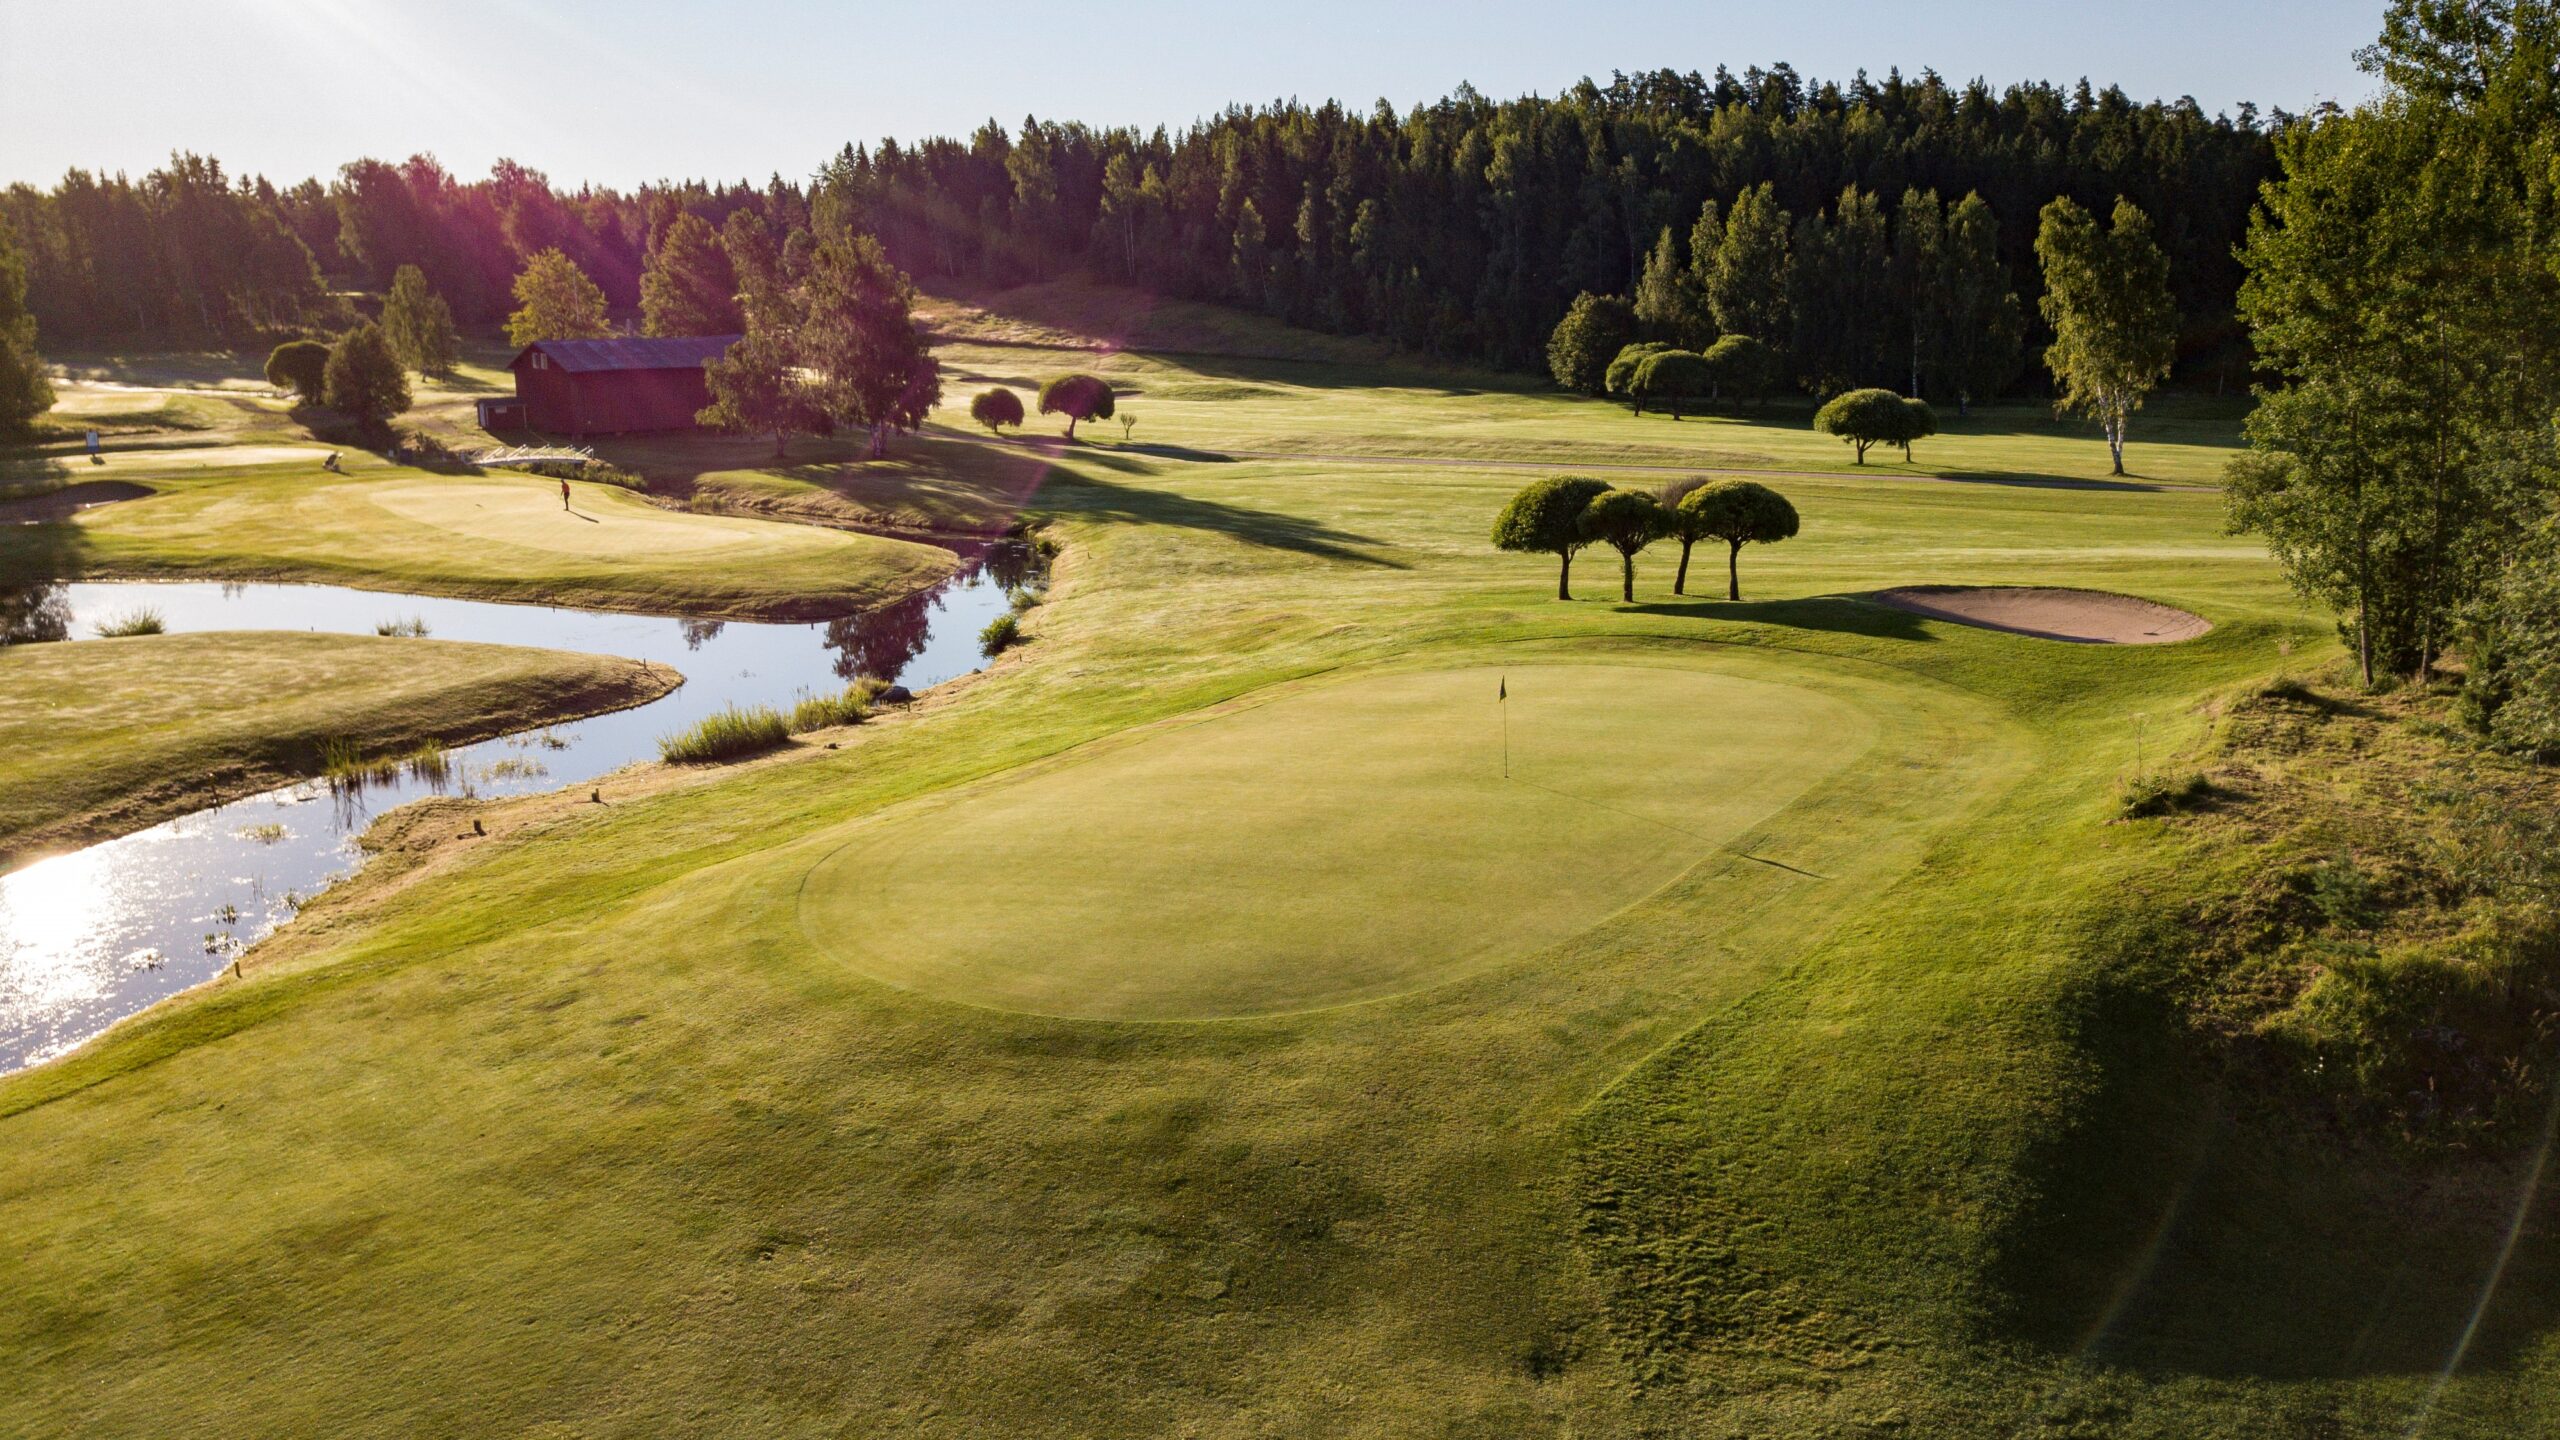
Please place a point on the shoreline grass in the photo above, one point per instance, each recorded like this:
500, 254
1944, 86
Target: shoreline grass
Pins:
730, 733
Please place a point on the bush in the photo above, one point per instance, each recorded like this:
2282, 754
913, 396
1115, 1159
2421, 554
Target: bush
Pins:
1078, 397
142, 621
1002, 634
413, 628
996, 409
1742, 366
1594, 329
2160, 793
301, 366
1671, 378
726, 735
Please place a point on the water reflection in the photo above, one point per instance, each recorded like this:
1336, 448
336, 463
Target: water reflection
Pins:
30, 614
90, 937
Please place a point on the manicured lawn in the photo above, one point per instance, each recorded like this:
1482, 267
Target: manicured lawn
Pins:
98, 737
496, 537
1250, 1064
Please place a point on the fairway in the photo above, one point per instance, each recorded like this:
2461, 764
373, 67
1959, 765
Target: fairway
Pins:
1338, 842
511, 512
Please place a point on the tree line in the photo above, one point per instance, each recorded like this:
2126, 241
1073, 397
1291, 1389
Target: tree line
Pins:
1460, 229
2403, 289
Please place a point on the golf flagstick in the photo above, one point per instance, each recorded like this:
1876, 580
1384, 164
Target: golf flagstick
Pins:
1502, 703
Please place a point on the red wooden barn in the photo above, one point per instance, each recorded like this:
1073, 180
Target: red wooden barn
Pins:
602, 387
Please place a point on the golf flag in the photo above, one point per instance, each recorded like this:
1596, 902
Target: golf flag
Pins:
1502, 688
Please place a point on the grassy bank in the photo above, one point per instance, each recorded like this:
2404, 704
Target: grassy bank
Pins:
101, 737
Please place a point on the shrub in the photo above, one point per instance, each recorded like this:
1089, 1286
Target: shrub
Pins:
144, 620
1002, 634
1594, 329
726, 735
1078, 397
301, 366
1670, 378
996, 408
2159, 793
1742, 366
413, 628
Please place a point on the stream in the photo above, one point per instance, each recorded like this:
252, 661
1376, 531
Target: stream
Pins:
89, 937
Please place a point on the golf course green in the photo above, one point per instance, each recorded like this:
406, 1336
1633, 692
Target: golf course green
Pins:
1337, 842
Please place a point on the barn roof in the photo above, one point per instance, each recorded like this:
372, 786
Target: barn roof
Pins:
671, 352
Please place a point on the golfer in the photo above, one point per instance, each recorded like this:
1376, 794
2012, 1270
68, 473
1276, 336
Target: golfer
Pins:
564, 493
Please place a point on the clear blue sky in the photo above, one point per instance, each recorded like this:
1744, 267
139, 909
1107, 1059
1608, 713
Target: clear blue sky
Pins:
622, 91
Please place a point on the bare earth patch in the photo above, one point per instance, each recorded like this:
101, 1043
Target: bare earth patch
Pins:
62, 504
2083, 617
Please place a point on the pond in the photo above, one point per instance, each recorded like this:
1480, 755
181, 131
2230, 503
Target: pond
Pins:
92, 936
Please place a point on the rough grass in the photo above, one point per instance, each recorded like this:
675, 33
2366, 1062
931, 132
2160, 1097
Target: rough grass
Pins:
96, 739
1841, 1130
726, 734
141, 620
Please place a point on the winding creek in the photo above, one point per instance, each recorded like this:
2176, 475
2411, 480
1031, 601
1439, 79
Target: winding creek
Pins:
89, 937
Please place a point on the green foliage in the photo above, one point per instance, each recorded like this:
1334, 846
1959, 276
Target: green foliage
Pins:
1979, 325
419, 324
996, 407
2115, 328
556, 301
301, 366
1619, 378
1669, 379
726, 735
2512, 692
1001, 634
690, 286
2157, 792
1669, 305
1626, 521
26, 390
364, 381
1546, 518
1865, 418
1594, 329
1077, 396
758, 388
1742, 365
1748, 282
1738, 512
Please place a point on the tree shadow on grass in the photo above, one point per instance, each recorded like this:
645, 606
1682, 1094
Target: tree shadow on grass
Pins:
1843, 614
2178, 1225
1092, 497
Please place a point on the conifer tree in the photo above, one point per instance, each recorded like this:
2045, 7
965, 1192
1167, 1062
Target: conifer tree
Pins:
419, 325
26, 390
691, 286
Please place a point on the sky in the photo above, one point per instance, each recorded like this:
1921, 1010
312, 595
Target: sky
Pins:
618, 92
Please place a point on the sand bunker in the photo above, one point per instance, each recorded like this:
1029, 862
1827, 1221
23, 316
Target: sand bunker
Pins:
62, 504
2084, 617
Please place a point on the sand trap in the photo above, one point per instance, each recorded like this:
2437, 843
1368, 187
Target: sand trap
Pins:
2083, 617
62, 504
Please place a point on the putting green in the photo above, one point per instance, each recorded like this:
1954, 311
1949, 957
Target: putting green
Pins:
510, 512
1335, 843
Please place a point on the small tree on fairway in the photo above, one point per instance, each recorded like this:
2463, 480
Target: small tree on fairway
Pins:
1545, 518
1626, 521
1671, 378
1741, 365
1864, 418
301, 366
1619, 379
1594, 329
419, 325
2115, 328
996, 408
1078, 397
1919, 422
364, 380
556, 301
757, 389
1682, 524
1740, 512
